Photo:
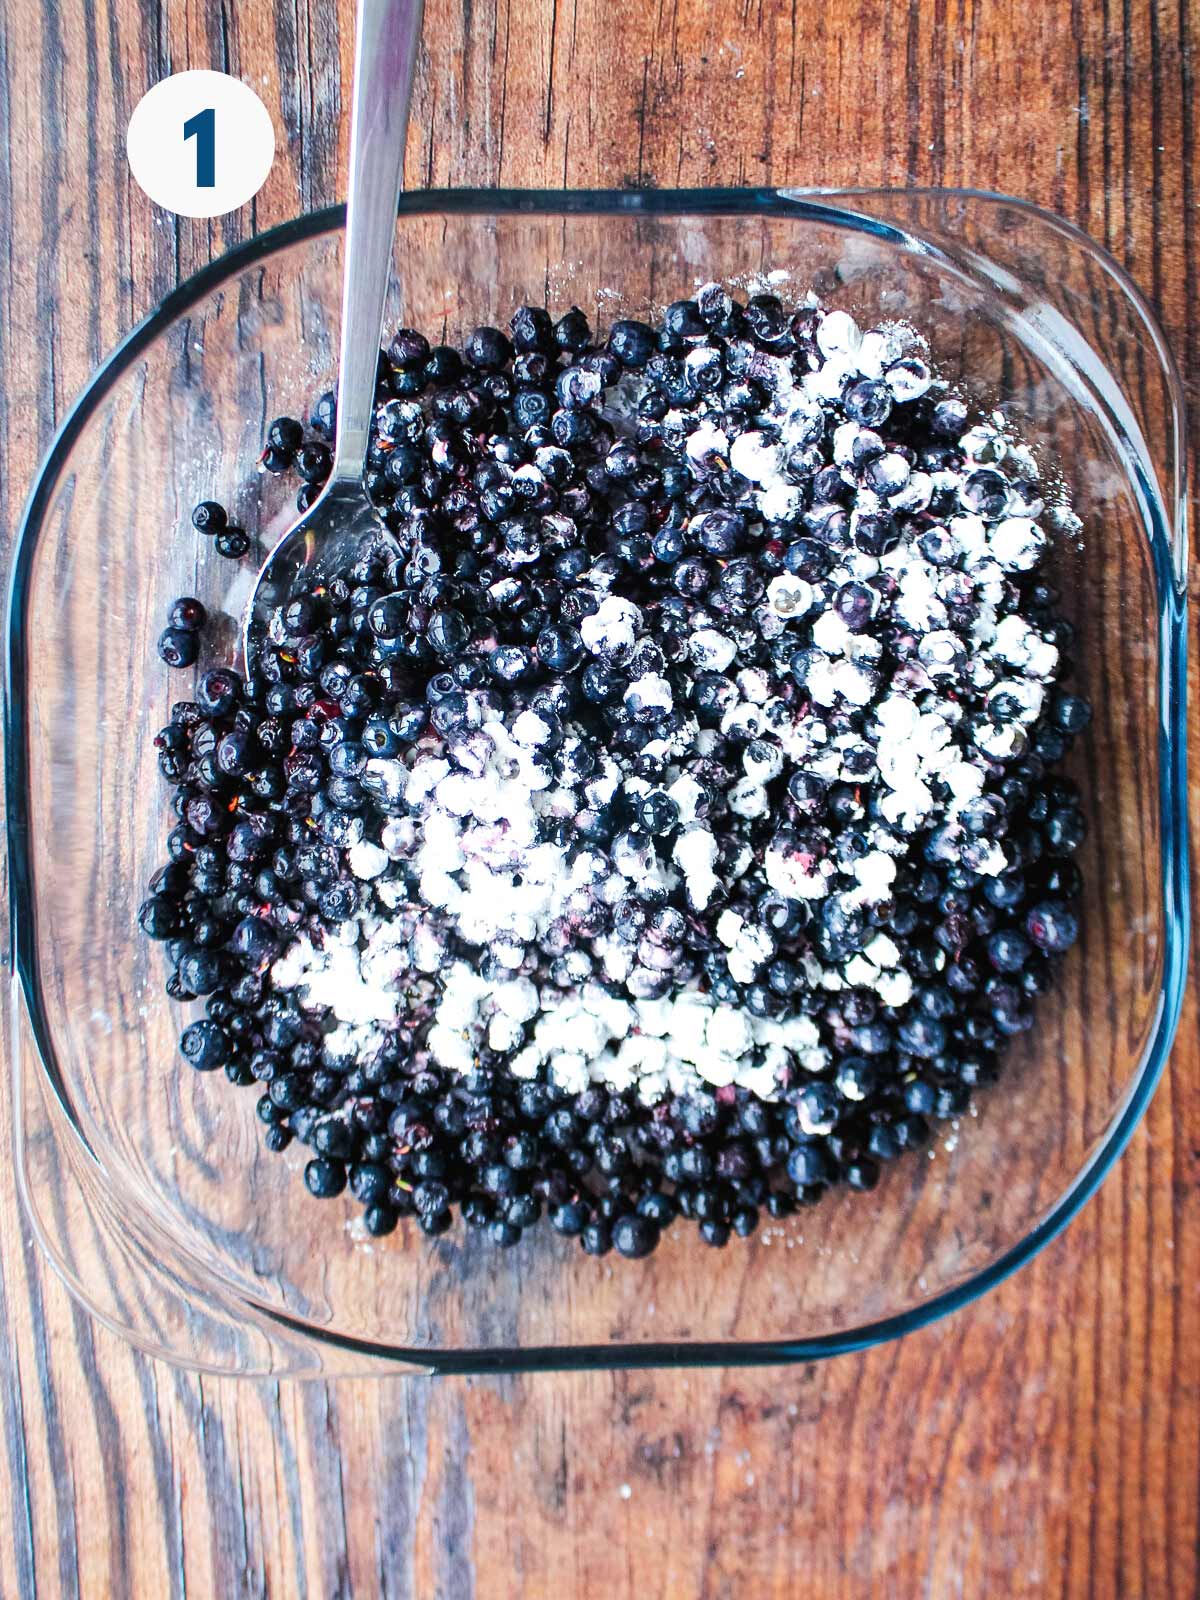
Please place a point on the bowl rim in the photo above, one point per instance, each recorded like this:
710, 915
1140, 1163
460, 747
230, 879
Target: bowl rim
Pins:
1168, 544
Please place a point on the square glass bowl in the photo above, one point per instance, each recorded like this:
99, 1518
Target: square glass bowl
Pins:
147, 1183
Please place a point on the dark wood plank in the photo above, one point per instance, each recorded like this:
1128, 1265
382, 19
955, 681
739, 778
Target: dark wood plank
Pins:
1045, 1442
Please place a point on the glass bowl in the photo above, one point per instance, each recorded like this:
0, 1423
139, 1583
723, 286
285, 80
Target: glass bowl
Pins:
147, 1183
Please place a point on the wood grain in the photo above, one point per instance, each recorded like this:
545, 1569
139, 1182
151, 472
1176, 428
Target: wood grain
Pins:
1045, 1442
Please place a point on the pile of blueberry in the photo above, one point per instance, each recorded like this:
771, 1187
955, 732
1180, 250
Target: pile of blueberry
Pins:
748, 481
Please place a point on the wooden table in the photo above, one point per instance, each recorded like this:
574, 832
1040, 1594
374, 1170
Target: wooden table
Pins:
1045, 1442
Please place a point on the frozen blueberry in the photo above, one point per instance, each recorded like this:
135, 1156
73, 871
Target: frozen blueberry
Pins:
186, 613
285, 434
158, 917
808, 1164
409, 348
179, 647
1071, 714
634, 1235
209, 517
949, 418
324, 1179
448, 631
985, 492
314, 462
1008, 951
632, 342
232, 543
1052, 927
855, 604
217, 692
199, 971
559, 647
488, 349
868, 402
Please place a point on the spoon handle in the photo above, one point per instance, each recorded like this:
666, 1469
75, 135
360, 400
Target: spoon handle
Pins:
385, 52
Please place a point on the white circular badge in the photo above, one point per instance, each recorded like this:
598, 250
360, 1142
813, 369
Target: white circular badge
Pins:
200, 143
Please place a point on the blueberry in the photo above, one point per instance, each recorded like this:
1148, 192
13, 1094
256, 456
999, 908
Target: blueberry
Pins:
254, 943
208, 517
522, 1210
370, 1182
232, 543
339, 902
569, 1218
656, 1207
488, 349
285, 434
314, 462
186, 613
572, 331
409, 348
808, 1164
387, 617
919, 1096
715, 306
862, 1173
218, 691
1066, 829
868, 402
379, 1220
1052, 927
448, 631
951, 1100
922, 1036
658, 813
984, 492
875, 533
1070, 713
179, 647
682, 320
949, 418
204, 1046
855, 605
1008, 951
596, 1238
719, 532
886, 474
559, 647
855, 1078
632, 342
323, 417
333, 1139
884, 1142
817, 1110
199, 971
532, 329
1061, 879
324, 1179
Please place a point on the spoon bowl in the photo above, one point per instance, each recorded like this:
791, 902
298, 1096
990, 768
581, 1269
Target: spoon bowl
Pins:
325, 540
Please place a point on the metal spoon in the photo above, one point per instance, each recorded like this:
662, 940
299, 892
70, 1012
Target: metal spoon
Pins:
385, 52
